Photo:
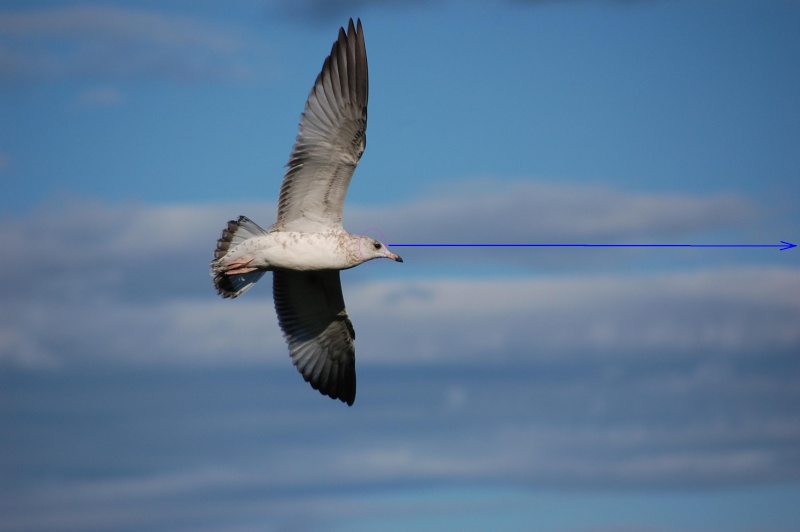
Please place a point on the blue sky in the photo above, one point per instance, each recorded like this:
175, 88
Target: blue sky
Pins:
506, 389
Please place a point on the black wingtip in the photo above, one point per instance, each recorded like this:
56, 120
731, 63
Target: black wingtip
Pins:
343, 388
344, 392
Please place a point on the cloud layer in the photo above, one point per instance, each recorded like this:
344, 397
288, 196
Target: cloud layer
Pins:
113, 43
679, 378
125, 270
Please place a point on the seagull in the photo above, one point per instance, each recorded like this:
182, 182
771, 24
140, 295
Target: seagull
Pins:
307, 245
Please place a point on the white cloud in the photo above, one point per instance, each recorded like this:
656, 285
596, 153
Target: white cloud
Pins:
111, 42
741, 310
97, 246
112, 22
130, 284
537, 211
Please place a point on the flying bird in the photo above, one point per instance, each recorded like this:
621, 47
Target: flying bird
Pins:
307, 245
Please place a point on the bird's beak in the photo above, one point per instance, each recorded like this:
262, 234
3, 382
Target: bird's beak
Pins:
394, 257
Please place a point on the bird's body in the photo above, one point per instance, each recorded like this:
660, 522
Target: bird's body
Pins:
294, 250
307, 245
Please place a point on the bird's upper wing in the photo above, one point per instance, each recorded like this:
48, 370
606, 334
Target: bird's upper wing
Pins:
312, 316
331, 139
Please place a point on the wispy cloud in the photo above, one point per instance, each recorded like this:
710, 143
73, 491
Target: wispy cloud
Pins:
538, 211
130, 238
738, 313
105, 22
601, 427
110, 42
134, 269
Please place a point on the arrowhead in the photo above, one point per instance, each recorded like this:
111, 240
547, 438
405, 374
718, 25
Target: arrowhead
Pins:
787, 245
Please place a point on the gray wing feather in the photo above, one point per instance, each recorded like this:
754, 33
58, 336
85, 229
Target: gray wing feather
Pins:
331, 139
314, 322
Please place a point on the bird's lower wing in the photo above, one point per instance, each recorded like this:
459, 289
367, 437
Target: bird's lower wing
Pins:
320, 335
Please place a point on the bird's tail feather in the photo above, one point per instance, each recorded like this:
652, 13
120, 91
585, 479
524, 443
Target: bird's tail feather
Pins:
236, 232
230, 286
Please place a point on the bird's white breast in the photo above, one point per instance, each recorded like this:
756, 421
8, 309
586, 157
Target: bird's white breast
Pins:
300, 251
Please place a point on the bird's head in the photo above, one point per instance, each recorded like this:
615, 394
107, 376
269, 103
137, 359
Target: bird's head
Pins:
369, 248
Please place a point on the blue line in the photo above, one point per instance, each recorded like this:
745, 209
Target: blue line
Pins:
783, 245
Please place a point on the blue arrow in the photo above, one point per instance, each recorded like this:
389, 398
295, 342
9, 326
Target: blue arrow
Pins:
783, 245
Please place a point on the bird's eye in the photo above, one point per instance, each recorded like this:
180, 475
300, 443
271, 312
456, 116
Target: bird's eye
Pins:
377, 245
